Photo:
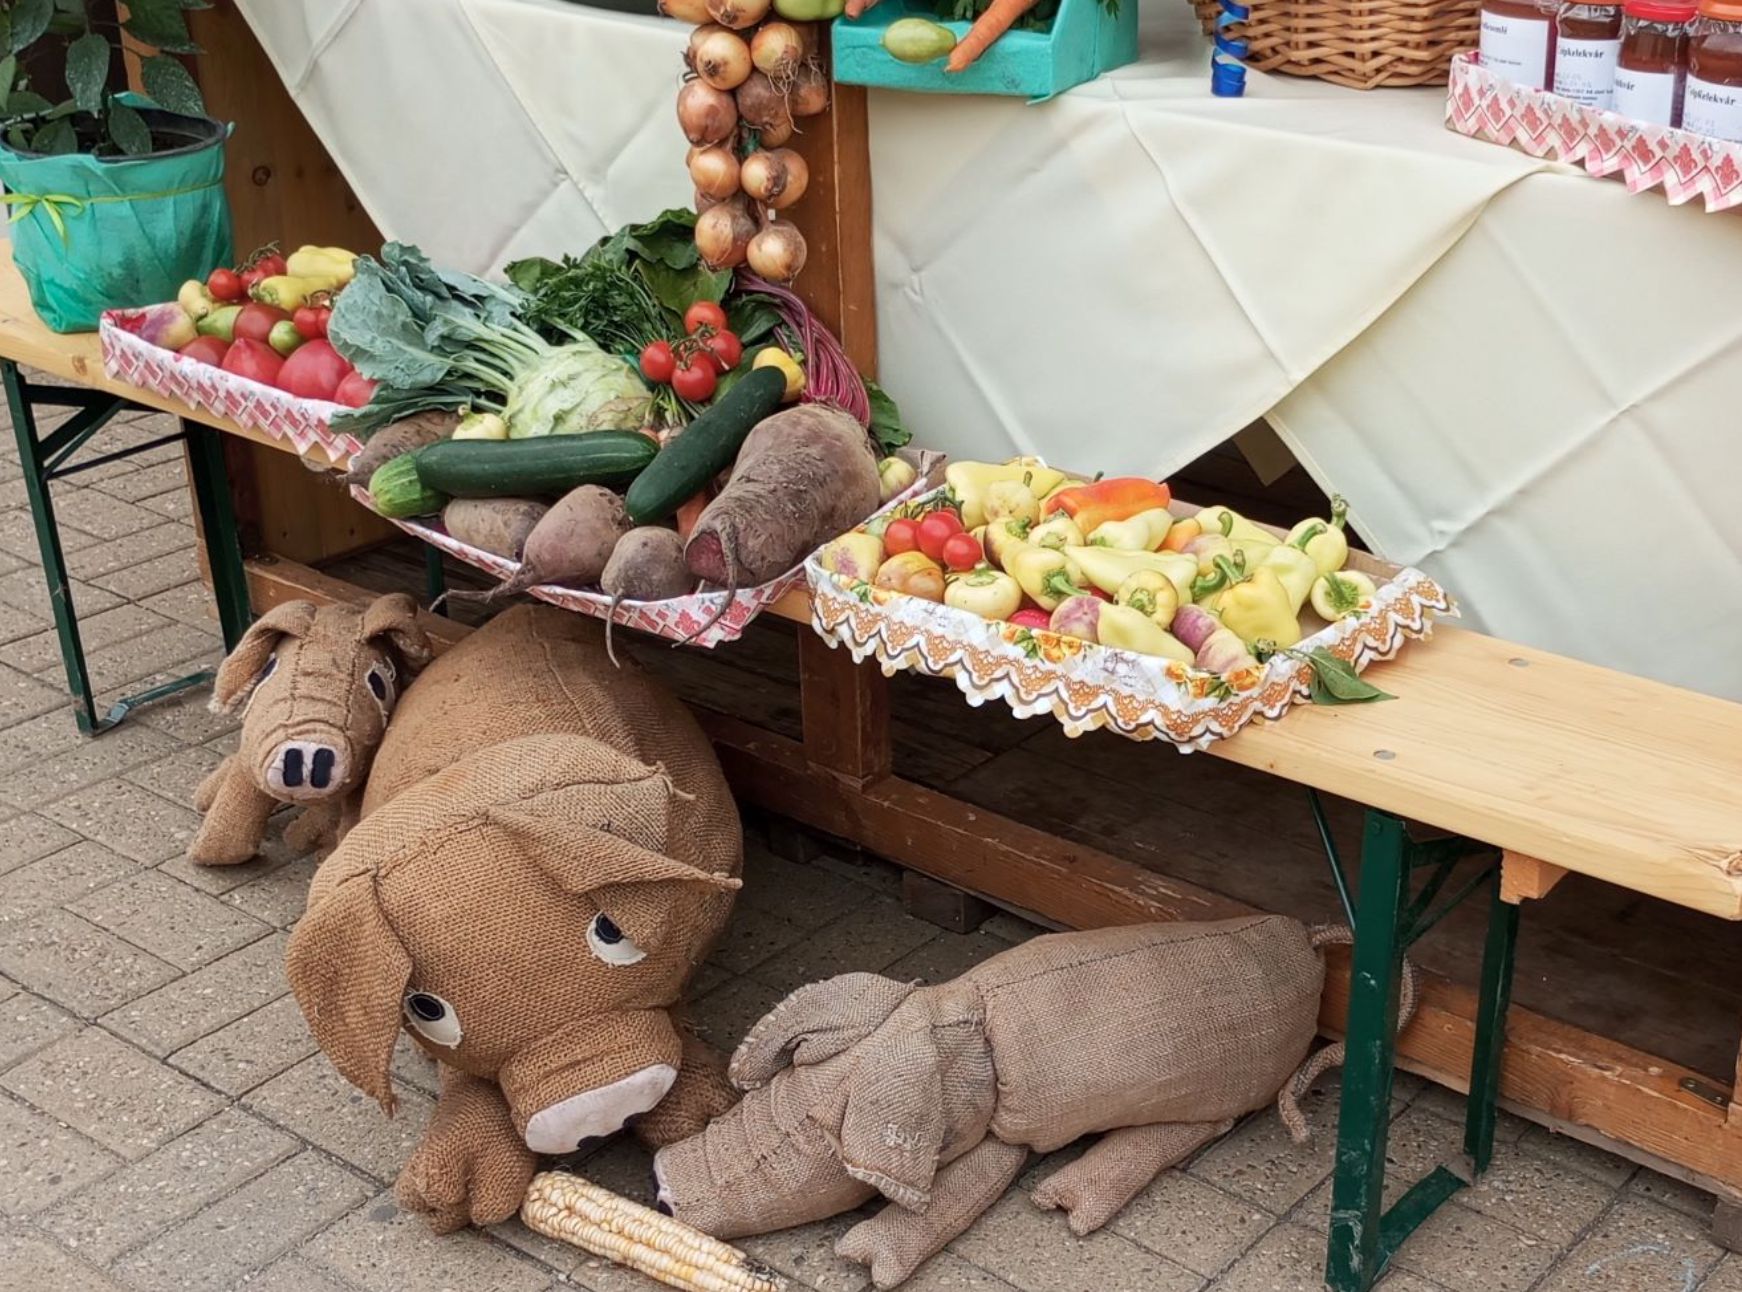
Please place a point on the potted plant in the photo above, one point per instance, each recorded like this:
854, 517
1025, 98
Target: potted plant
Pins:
115, 199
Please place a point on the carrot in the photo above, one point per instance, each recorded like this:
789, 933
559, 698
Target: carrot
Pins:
691, 512
999, 17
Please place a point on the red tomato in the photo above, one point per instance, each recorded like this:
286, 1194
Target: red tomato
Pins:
225, 285
311, 321
354, 391
726, 349
703, 314
658, 362
962, 551
255, 321
254, 360
314, 371
270, 265
207, 349
695, 378
935, 530
901, 536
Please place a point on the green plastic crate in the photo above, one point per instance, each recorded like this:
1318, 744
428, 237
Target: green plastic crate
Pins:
1085, 41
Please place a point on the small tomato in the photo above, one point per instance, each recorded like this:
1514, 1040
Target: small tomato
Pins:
726, 349
703, 314
695, 379
311, 321
962, 552
657, 362
901, 536
225, 285
935, 530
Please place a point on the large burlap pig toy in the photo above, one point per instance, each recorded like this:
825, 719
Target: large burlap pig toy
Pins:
546, 853
319, 685
1158, 1034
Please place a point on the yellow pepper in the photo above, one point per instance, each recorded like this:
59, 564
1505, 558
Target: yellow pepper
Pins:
852, 556
323, 262
1108, 567
970, 482
288, 291
1339, 594
1061, 531
1002, 537
1143, 532
1324, 540
1296, 570
1127, 628
1046, 575
1225, 520
1150, 593
1255, 607
1012, 500
989, 593
773, 356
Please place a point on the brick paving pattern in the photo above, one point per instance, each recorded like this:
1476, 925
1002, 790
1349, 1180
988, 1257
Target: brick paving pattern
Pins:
166, 1125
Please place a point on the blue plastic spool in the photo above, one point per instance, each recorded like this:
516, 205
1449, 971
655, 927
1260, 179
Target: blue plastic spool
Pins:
1085, 41
1228, 59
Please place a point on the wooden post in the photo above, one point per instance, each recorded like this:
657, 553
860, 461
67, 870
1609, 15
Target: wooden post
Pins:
845, 706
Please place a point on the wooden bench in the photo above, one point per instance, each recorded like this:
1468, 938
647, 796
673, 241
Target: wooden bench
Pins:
1556, 766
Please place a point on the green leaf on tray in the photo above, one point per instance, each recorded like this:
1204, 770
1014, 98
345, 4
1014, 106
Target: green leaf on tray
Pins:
170, 87
752, 318
88, 60
886, 425
128, 130
1336, 682
29, 19
678, 289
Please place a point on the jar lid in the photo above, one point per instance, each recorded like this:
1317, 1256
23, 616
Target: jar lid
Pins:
1727, 10
1660, 10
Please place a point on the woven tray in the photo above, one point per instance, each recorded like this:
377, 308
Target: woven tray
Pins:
1364, 44
1085, 686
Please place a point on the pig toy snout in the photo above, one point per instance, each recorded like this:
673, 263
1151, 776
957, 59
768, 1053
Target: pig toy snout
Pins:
301, 770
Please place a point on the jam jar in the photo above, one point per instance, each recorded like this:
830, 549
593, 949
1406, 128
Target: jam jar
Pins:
1712, 103
1653, 61
1517, 41
1587, 45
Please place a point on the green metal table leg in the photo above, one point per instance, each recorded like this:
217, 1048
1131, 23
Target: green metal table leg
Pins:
54, 566
218, 524
435, 578
1356, 1256
1497, 962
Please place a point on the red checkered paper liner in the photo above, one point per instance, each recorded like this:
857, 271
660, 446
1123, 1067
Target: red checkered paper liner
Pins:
1684, 165
129, 357
676, 618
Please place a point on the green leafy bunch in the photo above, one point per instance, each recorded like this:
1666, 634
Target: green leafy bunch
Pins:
90, 37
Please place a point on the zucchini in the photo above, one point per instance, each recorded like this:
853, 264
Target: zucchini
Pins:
704, 448
397, 492
547, 465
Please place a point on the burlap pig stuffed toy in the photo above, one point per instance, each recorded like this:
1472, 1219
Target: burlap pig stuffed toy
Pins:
546, 853
318, 686
1159, 1035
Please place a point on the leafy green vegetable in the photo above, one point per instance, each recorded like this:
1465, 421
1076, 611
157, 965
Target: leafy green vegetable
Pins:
886, 425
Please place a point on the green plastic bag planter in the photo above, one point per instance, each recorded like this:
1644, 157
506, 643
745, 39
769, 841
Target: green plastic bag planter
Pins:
91, 234
1084, 42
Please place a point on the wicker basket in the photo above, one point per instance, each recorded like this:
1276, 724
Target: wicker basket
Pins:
1361, 43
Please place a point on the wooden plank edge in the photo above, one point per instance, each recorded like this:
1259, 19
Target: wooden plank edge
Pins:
1525, 878
1570, 1080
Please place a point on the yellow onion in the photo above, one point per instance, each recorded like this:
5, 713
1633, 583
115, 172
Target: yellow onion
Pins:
777, 252
777, 48
776, 177
707, 115
715, 171
724, 233
761, 103
691, 11
721, 58
738, 14
810, 92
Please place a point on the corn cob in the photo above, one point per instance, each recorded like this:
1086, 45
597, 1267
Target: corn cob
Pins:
577, 1211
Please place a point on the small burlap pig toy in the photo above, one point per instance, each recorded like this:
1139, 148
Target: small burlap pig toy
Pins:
547, 851
319, 685
1159, 1035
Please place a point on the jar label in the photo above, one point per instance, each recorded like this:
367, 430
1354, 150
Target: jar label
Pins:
1713, 110
1516, 49
1584, 70
1652, 98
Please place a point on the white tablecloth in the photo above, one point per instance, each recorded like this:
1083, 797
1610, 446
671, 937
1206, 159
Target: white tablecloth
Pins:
1522, 377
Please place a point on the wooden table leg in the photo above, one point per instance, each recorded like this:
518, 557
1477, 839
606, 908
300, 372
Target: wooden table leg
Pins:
845, 707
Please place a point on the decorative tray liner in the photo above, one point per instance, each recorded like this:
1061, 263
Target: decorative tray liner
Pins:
129, 357
1085, 685
1684, 165
678, 617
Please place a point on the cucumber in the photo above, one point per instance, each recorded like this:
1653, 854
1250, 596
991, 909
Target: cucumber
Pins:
547, 465
397, 492
704, 448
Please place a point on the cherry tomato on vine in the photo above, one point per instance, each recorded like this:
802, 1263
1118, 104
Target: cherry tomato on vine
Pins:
310, 321
936, 529
963, 552
901, 536
695, 378
657, 362
225, 285
271, 265
726, 349
703, 314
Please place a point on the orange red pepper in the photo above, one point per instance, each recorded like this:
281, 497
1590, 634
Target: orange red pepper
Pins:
1120, 498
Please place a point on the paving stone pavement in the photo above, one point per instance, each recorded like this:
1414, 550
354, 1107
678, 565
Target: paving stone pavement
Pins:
167, 1125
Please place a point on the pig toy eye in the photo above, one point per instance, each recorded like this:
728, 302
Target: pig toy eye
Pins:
432, 1018
610, 943
380, 679
266, 671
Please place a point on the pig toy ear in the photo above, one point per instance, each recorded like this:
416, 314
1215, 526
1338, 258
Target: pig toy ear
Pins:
392, 621
815, 1023
241, 668
892, 1129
